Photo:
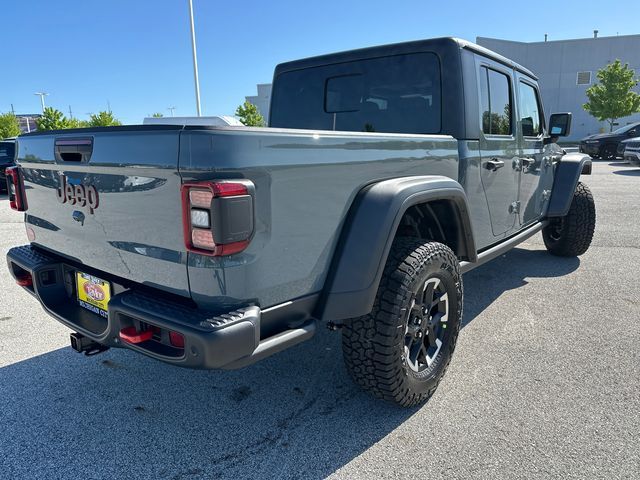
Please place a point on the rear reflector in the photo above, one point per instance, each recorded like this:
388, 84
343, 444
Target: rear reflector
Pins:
176, 339
131, 335
31, 234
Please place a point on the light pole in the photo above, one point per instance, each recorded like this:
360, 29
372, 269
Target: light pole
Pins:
171, 109
28, 124
41, 95
195, 58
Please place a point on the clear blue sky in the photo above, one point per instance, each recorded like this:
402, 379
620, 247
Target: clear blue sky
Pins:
136, 54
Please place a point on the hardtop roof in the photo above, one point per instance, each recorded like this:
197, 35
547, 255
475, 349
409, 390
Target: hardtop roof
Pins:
397, 49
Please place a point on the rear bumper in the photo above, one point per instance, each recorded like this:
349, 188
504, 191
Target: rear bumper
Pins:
212, 340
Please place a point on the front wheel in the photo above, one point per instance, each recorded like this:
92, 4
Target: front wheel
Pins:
401, 350
608, 152
571, 235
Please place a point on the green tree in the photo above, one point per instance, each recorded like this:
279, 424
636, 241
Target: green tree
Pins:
9, 126
157, 115
103, 119
249, 115
76, 123
613, 96
52, 119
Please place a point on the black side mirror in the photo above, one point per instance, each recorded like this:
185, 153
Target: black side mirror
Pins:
632, 133
560, 124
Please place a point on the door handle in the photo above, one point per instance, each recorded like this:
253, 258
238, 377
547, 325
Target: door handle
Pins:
494, 164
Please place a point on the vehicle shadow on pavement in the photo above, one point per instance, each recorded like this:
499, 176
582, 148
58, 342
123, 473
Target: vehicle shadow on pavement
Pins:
121, 415
294, 415
629, 173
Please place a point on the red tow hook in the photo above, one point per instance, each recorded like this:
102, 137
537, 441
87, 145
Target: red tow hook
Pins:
131, 335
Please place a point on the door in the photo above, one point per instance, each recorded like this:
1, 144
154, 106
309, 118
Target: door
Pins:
498, 145
535, 160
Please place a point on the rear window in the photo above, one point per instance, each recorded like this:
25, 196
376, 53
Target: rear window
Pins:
398, 94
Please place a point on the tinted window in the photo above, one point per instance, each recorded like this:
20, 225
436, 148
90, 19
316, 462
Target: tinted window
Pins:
495, 102
626, 128
529, 111
7, 150
399, 94
343, 94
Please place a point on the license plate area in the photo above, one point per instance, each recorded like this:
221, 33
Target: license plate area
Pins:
93, 293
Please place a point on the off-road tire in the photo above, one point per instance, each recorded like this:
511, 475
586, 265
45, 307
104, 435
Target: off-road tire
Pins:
571, 235
374, 345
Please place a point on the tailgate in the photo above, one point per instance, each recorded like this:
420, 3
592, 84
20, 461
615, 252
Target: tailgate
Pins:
109, 199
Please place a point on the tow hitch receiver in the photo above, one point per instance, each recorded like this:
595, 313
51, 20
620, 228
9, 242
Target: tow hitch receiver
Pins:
82, 344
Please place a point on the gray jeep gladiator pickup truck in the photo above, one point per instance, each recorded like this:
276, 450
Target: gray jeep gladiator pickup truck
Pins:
386, 174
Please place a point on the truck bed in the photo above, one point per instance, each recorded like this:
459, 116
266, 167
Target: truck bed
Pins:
305, 182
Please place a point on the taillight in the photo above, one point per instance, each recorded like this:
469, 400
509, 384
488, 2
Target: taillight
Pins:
15, 187
217, 217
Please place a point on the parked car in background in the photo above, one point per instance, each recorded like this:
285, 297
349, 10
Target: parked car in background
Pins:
607, 146
7, 152
631, 151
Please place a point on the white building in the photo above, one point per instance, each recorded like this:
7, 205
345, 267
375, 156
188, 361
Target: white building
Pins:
566, 68
27, 121
262, 99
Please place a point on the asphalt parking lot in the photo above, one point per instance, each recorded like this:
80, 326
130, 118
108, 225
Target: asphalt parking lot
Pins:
545, 383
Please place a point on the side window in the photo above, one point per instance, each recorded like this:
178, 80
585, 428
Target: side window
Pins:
529, 111
495, 102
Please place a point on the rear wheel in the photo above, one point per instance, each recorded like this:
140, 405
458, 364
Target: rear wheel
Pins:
401, 350
571, 235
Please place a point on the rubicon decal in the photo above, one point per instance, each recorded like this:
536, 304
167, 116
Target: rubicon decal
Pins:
85, 196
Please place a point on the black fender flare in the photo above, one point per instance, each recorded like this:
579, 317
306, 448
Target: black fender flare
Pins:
565, 181
368, 233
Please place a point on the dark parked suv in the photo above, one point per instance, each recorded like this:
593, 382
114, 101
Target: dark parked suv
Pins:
7, 152
608, 145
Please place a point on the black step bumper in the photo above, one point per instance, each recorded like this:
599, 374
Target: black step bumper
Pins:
210, 340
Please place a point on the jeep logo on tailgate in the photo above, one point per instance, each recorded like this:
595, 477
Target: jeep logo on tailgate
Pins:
81, 195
